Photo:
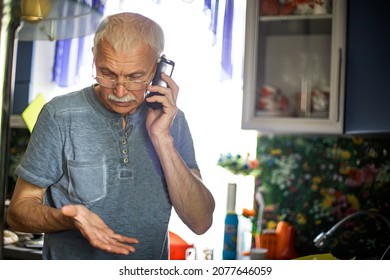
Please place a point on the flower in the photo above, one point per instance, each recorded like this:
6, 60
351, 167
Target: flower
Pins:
239, 165
314, 182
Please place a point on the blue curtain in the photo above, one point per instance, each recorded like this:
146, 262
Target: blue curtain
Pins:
224, 9
226, 62
212, 6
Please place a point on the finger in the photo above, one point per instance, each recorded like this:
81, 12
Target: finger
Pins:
111, 244
157, 97
172, 85
125, 239
120, 249
171, 90
166, 100
114, 248
109, 237
119, 245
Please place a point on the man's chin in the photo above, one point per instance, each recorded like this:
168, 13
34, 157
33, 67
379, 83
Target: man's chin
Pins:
125, 108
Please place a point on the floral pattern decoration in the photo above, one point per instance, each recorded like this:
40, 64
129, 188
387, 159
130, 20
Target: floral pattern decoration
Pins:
315, 181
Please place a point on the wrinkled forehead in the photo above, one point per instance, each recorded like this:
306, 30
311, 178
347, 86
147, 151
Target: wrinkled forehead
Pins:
128, 46
139, 56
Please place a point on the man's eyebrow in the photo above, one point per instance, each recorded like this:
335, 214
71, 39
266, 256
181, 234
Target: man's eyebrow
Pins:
106, 69
136, 74
139, 73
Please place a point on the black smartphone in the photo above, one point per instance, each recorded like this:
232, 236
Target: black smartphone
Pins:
164, 66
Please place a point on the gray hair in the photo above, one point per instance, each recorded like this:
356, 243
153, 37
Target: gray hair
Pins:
124, 30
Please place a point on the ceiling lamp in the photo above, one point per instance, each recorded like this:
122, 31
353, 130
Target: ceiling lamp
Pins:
35, 10
58, 19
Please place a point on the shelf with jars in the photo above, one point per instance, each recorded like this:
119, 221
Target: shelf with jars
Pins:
294, 66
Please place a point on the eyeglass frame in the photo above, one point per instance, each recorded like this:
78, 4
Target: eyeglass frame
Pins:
115, 82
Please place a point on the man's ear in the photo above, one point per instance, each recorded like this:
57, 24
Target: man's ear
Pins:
93, 55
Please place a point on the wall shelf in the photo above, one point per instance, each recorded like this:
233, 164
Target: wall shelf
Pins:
17, 121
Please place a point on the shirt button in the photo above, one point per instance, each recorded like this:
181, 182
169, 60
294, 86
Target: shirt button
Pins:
124, 141
124, 151
126, 160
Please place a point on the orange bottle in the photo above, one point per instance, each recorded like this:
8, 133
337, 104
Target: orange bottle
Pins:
285, 246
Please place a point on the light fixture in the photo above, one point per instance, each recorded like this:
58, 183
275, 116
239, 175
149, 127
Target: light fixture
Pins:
58, 19
35, 10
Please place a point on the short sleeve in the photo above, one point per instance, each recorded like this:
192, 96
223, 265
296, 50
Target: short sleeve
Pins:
183, 141
42, 161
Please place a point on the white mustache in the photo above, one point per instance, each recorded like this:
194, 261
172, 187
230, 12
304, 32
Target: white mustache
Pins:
127, 98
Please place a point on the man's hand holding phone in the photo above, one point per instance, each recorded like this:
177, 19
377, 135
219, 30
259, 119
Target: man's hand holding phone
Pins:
161, 115
164, 66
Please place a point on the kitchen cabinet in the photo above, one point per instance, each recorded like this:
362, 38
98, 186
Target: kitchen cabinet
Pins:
367, 78
294, 67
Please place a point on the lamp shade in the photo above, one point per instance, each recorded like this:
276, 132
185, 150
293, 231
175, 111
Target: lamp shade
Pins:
58, 19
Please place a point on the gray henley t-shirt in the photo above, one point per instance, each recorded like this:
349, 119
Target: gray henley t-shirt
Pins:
79, 151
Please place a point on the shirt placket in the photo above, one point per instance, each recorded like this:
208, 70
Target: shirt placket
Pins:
126, 166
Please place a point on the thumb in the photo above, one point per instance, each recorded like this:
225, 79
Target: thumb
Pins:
69, 210
74, 214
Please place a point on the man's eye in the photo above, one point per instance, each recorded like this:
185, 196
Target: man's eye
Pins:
132, 79
109, 76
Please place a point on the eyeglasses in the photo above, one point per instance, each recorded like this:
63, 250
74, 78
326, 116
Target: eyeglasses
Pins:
129, 85
110, 83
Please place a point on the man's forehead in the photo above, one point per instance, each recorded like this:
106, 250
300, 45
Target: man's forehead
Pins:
138, 54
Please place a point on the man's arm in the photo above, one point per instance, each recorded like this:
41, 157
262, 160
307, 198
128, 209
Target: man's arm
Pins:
191, 199
27, 213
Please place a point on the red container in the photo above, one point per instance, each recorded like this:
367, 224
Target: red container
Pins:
179, 249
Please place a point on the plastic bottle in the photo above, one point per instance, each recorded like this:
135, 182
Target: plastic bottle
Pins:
244, 237
231, 225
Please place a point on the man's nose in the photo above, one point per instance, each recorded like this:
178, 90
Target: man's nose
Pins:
120, 89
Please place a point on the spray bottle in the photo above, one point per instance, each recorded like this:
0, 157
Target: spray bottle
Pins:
231, 225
